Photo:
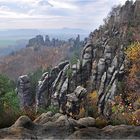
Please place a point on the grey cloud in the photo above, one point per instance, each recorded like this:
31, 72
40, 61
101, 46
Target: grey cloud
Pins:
87, 14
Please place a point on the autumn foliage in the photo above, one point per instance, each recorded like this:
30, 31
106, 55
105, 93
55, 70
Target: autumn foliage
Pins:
133, 78
126, 106
29, 60
133, 55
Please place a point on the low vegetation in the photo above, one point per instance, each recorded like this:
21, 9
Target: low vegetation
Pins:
9, 103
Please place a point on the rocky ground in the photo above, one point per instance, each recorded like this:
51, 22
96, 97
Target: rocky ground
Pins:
58, 126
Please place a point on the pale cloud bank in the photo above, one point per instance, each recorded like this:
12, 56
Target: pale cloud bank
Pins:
85, 14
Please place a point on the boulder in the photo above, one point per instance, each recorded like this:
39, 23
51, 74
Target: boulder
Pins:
86, 122
56, 116
80, 92
62, 118
67, 128
44, 118
24, 122
108, 132
74, 100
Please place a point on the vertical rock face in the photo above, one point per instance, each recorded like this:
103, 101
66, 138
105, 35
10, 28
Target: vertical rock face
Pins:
43, 92
108, 66
68, 83
44, 88
77, 41
24, 91
86, 67
74, 100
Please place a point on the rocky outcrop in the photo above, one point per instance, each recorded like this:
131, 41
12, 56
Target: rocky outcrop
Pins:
39, 41
36, 42
25, 122
109, 132
86, 122
47, 41
107, 72
44, 88
60, 126
73, 101
43, 92
101, 67
24, 92
75, 43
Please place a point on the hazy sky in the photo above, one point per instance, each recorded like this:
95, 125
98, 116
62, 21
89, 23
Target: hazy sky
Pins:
85, 14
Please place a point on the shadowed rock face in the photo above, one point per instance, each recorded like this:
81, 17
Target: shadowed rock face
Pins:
24, 91
73, 101
58, 126
37, 41
44, 89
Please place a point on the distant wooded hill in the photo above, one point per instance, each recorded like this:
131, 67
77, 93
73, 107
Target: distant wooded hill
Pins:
39, 54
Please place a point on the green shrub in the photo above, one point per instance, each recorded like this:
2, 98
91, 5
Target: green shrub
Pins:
34, 78
9, 103
51, 108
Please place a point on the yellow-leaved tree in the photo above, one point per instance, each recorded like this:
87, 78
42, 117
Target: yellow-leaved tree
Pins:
133, 79
133, 56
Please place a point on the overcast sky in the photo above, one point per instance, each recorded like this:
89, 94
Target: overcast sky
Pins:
85, 14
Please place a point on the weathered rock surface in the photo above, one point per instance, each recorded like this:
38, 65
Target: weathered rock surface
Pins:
74, 100
25, 122
66, 128
24, 91
108, 132
44, 118
87, 122
44, 88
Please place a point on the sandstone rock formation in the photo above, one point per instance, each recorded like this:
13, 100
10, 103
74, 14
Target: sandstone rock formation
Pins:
39, 41
101, 67
60, 126
36, 42
44, 89
24, 92
73, 101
